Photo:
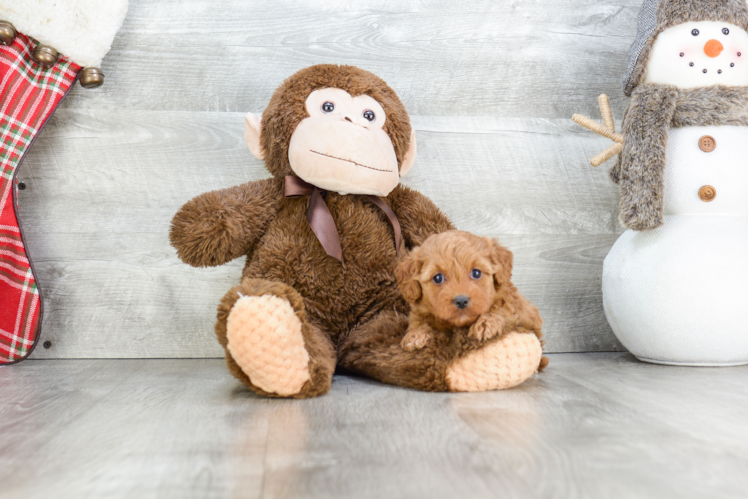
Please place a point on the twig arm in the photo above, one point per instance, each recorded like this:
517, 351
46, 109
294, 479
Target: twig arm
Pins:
607, 130
607, 113
598, 128
606, 155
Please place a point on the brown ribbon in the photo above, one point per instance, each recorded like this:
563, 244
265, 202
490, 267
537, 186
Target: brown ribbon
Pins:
320, 219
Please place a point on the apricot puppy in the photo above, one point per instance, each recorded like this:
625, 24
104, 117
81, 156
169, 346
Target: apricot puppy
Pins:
456, 279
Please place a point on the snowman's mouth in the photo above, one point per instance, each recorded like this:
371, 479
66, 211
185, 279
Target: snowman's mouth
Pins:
707, 70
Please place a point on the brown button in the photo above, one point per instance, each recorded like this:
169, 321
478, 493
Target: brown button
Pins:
707, 193
707, 143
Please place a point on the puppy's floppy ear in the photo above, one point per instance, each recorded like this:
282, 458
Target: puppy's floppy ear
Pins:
502, 260
406, 272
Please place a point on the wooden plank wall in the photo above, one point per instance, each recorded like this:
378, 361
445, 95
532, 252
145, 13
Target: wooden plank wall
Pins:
490, 86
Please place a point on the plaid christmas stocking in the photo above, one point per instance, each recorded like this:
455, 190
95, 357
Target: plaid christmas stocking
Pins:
45, 46
29, 94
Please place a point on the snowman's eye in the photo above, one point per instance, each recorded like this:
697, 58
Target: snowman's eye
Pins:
725, 31
695, 32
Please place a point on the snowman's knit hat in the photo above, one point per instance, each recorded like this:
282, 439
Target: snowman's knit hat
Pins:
656, 16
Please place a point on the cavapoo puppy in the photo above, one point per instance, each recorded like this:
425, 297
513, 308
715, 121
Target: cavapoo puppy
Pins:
459, 280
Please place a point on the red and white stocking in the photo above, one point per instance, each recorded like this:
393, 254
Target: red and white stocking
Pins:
35, 75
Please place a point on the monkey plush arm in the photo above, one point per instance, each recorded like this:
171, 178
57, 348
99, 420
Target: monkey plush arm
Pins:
419, 217
219, 226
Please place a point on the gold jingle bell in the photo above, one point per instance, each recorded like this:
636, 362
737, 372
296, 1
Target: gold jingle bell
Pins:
45, 55
91, 78
7, 33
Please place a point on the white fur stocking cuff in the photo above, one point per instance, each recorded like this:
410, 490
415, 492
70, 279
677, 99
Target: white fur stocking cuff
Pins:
82, 30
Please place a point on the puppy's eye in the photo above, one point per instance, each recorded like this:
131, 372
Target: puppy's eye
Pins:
476, 274
438, 279
328, 107
695, 32
369, 115
725, 31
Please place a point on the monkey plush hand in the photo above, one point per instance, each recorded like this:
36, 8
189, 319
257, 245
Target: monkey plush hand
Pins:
321, 240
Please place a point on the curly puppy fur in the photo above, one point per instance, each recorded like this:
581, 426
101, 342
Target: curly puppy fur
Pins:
474, 291
653, 110
674, 12
359, 301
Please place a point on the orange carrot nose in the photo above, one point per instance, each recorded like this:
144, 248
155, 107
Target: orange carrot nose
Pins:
713, 48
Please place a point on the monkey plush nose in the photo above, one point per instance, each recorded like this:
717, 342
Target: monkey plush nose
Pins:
461, 301
713, 48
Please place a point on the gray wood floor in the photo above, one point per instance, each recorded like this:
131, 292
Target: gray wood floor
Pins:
490, 86
593, 425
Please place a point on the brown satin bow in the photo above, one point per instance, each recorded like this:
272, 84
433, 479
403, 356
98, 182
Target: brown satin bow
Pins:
321, 221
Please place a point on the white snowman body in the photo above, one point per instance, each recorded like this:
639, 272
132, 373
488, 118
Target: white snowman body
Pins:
678, 294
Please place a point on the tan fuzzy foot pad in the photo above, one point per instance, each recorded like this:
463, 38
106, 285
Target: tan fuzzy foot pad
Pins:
265, 340
500, 365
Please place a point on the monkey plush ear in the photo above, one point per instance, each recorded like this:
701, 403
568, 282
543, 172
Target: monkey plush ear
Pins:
406, 273
410, 156
252, 128
502, 260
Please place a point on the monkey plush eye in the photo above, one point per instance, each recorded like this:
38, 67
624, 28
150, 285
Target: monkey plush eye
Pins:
695, 32
438, 279
725, 31
369, 115
328, 107
476, 274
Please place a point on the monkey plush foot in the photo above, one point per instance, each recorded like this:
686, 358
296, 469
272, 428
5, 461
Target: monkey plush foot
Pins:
502, 364
264, 338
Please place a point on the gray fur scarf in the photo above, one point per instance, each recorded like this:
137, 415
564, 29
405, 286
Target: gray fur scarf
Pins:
653, 110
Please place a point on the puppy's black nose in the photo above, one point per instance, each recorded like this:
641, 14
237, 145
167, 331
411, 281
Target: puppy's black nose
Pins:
461, 301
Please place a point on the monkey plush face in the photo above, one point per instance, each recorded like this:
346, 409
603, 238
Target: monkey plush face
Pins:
339, 128
341, 145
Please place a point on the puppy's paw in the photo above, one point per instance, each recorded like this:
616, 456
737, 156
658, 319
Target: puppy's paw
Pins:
415, 339
487, 327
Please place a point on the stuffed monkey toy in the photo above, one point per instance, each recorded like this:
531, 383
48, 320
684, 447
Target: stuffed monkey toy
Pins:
322, 239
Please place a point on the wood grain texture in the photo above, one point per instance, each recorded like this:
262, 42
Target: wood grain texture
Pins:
538, 58
591, 426
490, 87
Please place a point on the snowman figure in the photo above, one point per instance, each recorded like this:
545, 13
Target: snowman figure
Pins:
675, 284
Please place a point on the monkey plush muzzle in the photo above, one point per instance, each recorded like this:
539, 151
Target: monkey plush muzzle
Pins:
337, 155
